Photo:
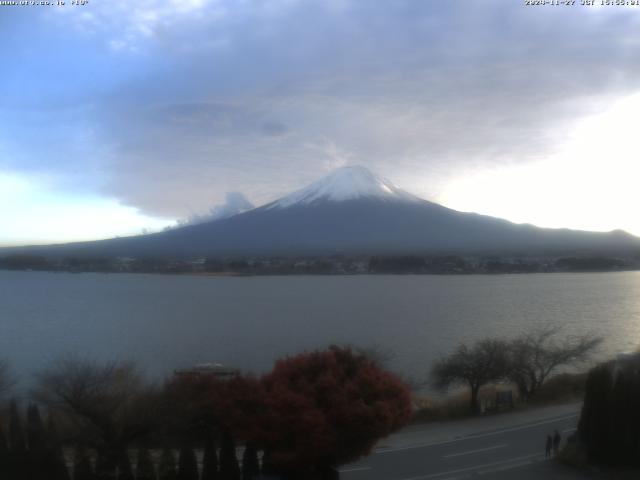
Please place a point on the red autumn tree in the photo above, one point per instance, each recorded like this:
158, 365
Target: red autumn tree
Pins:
233, 405
239, 404
327, 408
186, 408
313, 411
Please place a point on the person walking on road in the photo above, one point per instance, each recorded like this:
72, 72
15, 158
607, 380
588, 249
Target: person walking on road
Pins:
556, 443
547, 450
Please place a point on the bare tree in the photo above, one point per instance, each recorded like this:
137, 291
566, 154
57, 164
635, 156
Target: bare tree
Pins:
106, 405
534, 356
476, 365
6, 379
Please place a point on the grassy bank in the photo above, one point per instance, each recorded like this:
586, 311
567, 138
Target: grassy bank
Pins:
562, 388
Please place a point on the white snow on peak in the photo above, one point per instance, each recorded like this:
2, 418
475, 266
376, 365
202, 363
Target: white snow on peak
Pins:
346, 183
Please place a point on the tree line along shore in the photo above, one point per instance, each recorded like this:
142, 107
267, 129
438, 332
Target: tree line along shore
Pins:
328, 265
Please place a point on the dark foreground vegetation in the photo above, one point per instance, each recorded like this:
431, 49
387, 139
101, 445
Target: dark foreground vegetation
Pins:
330, 265
311, 413
609, 428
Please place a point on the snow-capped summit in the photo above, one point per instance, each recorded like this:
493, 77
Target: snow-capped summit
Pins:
346, 183
350, 211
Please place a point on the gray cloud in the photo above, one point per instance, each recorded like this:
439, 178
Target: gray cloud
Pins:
235, 203
262, 99
272, 128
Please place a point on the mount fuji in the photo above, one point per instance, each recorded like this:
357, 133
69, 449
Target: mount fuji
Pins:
350, 211
343, 184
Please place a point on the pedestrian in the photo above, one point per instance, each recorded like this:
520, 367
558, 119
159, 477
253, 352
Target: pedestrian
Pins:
556, 442
547, 450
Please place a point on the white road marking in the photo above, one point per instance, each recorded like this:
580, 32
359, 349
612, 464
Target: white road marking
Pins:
469, 452
515, 460
354, 469
567, 430
480, 435
504, 467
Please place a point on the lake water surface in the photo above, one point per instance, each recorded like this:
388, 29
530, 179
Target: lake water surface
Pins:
168, 322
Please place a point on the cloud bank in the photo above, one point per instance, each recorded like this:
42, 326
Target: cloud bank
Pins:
235, 203
167, 106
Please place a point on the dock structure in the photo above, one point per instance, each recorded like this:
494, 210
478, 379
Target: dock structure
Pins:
215, 370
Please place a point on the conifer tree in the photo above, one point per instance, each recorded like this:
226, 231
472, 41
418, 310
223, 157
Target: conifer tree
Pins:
17, 443
250, 464
38, 458
229, 469
56, 462
145, 469
187, 464
36, 435
19, 467
125, 472
210, 459
105, 466
4, 447
267, 466
167, 466
59, 470
4, 455
82, 468
610, 419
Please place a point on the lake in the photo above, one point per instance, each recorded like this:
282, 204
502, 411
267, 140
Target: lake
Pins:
169, 322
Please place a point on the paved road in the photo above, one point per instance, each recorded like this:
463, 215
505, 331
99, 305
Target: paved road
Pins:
503, 452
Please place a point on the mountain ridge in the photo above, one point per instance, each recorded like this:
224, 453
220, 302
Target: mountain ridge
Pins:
349, 211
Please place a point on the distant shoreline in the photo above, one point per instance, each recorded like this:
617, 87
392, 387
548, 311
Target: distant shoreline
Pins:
329, 265
303, 274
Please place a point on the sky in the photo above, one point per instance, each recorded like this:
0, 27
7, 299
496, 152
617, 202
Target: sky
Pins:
118, 117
